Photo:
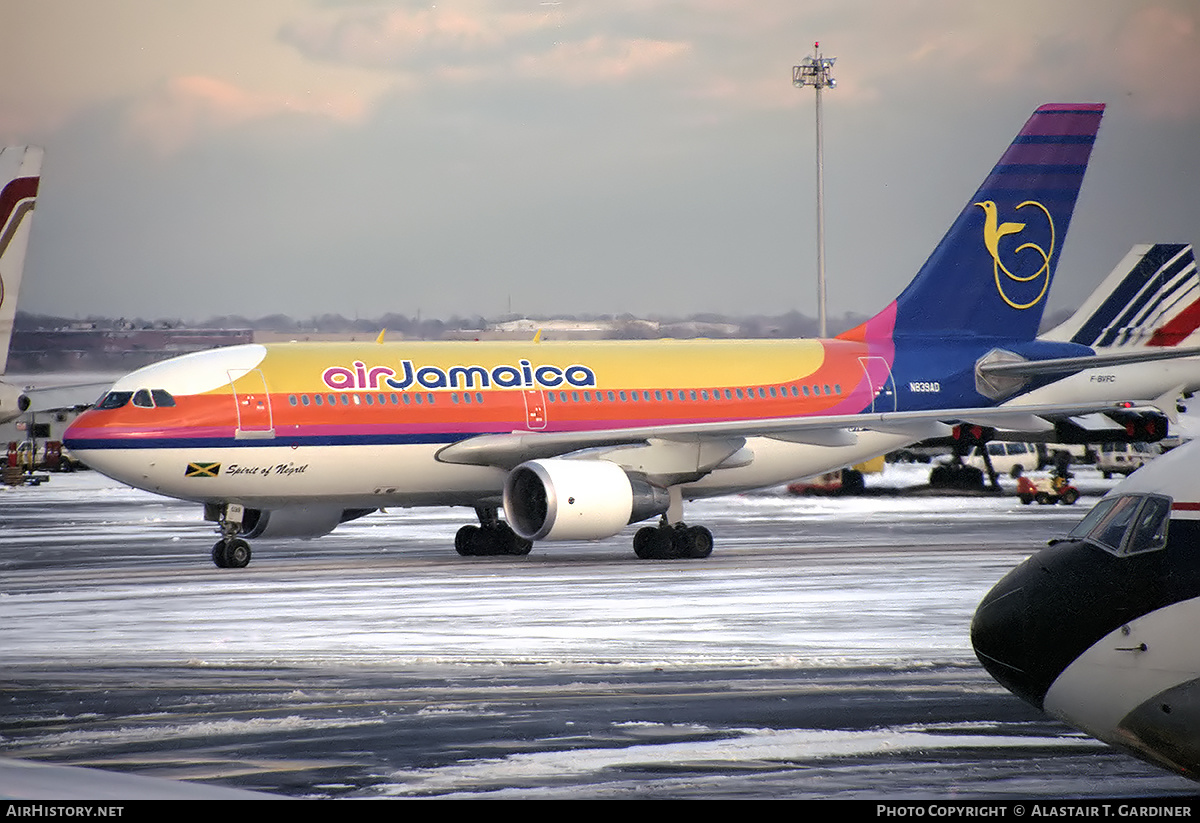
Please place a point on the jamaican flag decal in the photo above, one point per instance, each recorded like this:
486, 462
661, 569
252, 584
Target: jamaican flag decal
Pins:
202, 470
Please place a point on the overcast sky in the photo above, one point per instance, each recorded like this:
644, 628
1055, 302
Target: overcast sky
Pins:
645, 156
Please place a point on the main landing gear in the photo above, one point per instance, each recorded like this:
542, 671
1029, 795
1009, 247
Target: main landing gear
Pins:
491, 536
668, 541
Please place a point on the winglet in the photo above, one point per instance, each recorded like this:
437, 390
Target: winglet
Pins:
379, 339
537, 337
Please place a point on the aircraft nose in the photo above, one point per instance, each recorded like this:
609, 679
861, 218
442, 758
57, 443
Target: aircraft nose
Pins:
86, 441
71, 435
1001, 635
1038, 619
73, 438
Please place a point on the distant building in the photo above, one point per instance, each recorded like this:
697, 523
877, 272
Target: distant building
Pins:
72, 348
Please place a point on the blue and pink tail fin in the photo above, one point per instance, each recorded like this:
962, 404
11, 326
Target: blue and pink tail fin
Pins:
989, 277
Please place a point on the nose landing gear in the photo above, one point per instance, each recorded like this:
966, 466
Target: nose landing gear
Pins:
231, 551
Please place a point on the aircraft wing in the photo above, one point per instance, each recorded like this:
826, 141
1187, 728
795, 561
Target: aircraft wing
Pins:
510, 450
38, 399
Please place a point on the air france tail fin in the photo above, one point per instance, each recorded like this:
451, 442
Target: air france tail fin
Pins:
991, 273
1152, 298
20, 169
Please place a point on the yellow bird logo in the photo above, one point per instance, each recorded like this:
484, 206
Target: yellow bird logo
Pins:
994, 231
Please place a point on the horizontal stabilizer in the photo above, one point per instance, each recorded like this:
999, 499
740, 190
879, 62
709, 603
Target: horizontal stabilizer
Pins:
1071, 365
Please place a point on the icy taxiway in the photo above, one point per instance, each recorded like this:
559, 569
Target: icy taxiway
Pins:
822, 651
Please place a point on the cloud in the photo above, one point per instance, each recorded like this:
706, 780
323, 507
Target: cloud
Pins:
403, 39
186, 109
480, 42
1149, 51
599, 60
1158, 55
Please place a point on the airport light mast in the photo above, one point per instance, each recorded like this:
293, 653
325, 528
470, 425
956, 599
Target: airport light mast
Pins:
818, 72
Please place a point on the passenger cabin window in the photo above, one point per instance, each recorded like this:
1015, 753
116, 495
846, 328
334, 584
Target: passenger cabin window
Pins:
1126, 525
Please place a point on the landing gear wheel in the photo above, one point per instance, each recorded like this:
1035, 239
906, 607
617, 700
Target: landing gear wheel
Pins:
218, 555
482, 541
237, 554
231, 551
672, 542
699, 542
662, 543
231, 554
519, 545
464, 541
643, 542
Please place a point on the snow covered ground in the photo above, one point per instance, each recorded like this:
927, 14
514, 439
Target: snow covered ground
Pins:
822, 651
126, 576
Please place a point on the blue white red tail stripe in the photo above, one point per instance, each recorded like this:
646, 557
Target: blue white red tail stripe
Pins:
1152, 298
1171, 279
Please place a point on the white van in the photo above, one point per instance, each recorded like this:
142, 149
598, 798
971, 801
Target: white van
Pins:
1013, 459
1124, 458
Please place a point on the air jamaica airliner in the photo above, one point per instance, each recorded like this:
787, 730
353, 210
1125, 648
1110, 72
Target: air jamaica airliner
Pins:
576, 440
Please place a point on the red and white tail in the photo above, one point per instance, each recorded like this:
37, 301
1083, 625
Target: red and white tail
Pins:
20, 172
1152, 298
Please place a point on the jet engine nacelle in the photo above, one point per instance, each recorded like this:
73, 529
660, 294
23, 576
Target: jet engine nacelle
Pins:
296, 521
12, 402
562, 499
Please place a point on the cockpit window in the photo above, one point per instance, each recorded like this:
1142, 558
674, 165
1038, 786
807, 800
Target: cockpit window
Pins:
114, 400
142, 398
1150, 528
1127, 524
1111, 531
